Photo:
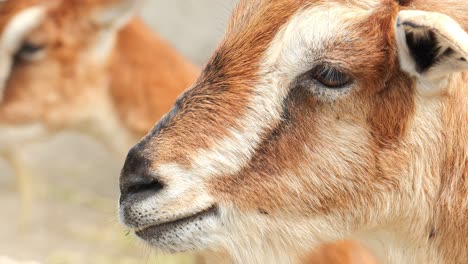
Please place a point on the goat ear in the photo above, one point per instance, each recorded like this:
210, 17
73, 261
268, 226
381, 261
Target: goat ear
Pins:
110, 17
114, 14
431, 46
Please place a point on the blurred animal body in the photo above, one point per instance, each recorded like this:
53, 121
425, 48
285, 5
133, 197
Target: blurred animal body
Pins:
86, 66
315, 121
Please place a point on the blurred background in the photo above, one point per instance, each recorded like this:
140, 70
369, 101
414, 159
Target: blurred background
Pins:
73, 218
194, 27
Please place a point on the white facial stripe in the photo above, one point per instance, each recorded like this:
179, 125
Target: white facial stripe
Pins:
12, 38
312, 34
283, 62
230, 154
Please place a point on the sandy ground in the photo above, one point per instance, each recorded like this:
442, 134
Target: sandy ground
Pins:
73, 217
75, 179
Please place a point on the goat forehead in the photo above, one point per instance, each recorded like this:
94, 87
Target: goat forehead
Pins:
248, 10
316, 33
289, 30
254, 26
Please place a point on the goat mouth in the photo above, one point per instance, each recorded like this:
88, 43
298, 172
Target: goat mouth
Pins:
152, 231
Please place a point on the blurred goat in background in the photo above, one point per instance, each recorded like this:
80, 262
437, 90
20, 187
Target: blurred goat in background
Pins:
82, 65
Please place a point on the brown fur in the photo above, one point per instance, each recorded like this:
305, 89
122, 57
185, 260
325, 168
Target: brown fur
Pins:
353, 184
356, 185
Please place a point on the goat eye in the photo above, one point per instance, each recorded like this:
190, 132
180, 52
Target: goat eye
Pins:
330, 77
29, 51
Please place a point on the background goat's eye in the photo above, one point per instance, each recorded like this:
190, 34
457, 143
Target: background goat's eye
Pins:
330, 77
29, 50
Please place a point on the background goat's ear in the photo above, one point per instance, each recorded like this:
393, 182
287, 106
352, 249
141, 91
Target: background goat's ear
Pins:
431, 46
110, 16
114, 14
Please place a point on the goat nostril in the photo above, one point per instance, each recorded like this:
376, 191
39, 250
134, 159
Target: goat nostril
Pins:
152, 186
140, 188
137, 181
